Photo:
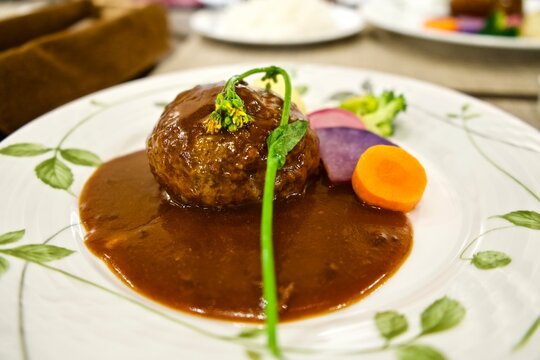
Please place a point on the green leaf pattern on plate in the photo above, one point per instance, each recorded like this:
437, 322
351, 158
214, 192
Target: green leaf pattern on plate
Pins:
38, 252
5, 239
80, 157
391, 324
524, 218
11, 237
342, 95
302, 89
442, 315
55, 173
528, 334
4, 265
487, 260
253, 355
24, 150
250, 333
419, 352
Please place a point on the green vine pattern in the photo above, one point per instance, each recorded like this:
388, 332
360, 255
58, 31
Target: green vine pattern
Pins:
442, 315
20, 307
465, 115
35, 253
528, 334
487, 260
490, 259
53, 171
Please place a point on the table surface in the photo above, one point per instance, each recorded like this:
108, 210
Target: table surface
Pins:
507, 79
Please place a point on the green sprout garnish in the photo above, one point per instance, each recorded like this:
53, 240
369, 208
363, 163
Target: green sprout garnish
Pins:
230, 113
280, 142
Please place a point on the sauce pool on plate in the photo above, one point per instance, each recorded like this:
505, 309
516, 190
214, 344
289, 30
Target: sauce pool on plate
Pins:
330, 249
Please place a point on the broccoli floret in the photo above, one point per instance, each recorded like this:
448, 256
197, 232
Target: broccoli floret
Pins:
496, 24
377, 113
360, 104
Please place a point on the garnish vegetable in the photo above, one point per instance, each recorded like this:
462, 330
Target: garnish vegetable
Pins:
230, 113
333, 117
341, 148
360, 105
377, 112
443, 23
389, 177
498, 24
280, 142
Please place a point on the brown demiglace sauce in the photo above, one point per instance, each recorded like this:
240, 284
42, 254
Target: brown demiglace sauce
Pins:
330, 249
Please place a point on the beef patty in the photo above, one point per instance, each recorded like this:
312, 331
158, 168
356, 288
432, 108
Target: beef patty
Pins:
225, 169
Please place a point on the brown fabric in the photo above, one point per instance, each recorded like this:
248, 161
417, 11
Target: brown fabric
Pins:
16, 31
57, 68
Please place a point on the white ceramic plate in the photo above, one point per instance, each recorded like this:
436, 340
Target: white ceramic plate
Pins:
408, 17
347, 22
480, 161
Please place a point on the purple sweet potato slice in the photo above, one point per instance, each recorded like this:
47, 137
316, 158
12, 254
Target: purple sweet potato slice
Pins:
470, 24
341, 148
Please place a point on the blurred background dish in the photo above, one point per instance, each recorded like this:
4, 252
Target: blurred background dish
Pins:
278, 22
217, 3
475, 23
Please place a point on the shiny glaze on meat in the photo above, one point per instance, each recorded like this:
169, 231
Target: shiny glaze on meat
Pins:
225, 169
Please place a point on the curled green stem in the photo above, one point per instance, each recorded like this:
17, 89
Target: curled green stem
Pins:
462, 254
230, 113
493, 163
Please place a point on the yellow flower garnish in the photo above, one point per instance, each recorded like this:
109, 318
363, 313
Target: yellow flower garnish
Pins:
229, 114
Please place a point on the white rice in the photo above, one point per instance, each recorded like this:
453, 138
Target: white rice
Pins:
277, 20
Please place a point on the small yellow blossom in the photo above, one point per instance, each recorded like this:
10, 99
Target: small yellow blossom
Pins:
229, 114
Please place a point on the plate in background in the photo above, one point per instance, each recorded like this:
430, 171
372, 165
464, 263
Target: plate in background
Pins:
408, 17
347, 22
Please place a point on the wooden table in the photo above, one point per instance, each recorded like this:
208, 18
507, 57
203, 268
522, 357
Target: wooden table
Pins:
507, 79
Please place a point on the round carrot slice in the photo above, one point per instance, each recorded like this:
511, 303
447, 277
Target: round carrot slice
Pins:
390, 178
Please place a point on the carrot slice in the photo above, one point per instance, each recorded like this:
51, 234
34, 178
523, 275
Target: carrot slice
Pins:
390, 178
444, 23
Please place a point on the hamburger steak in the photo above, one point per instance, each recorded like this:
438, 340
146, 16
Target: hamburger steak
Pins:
225, 169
